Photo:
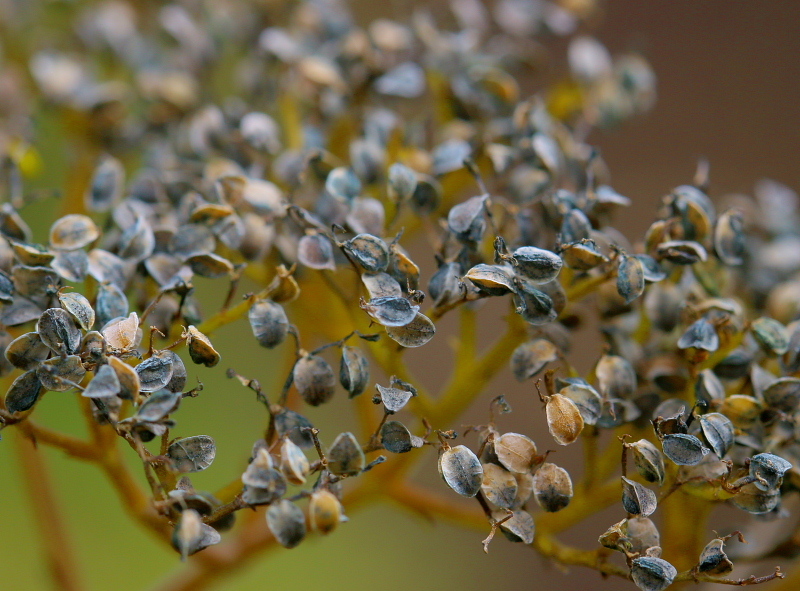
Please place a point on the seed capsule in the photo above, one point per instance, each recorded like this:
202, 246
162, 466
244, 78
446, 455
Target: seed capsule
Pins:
450, 155
293, 425
700, 335
104, 384
106, 186
754, 500
683, 449
652, 574
268, 322
461, 470
27, 351
414, 334
743, 411
649, 461
192, 454
586, 399
24, 392
155, 372
60, 374
718, 432
536, 264
369, 251
708, 387
713, 560
499, 486
630, 278
768, 469
771, 335
353, 371
381, 285
535, 306
345, 457
729, 240
563, 419
73, 231
343, 184
324, 511
394, 399
583, 255
210, 265
158, 406
516, 452
57, 331
123, 335
192, 535
642, 536
653, 273
552, 487
200, 348
316, 252
530, 358
491, 279
519, 528
397, 439
294, 464
636, 499
287, 523
79, 307
682, 252
402, 180
314, 379
391, 311
71, 265
129, 384
616, 377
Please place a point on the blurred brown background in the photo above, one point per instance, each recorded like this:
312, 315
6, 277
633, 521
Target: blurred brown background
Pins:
729, 91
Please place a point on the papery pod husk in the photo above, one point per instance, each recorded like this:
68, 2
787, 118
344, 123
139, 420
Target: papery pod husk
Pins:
493, 280
57, 330
381, 285
499, 486
729, 240
752, 499
79, 307
530, 358
769, 470
104, 383
24, 392
287, 522
771, 336
637, 499
616, 412
73, 231
155, 372
681, 252
293, 425
130, 385
192, 535
391, 311
652, 574
648, 461
111, 303
575, 226
402, 180
353, 370
316, 252
414, 334
324, 511
461, 470
700, 335
534, 305
586, 399
396, 438
516, 452
294, 463
616, 377
563, 419
60, 374
158, 406
653, 273
630, 278
642, 536
106, 185
402, 268
519, 528
345, 457
663, 303
268, 322
536, 264
683, 449
369, 251
466, 220
742, 410
708, 387
552, 487
192, 454
200, 348
343, 183
27, 351
123, 334
783, 394
718, 432
394, 399
314, 379
713, 560
524, 489
583, 255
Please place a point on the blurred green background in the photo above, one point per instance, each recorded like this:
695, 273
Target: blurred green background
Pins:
729, 91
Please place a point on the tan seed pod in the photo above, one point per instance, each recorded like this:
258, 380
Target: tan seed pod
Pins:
524, 489
200, 348
563, 419
499, 486
129, 383
414, 334
324, 511
530, 358
294, 464
616, 377
552, 487
80, 308
124, 334
515, 452
73, 231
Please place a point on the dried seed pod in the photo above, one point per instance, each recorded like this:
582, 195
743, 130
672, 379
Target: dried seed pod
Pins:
314, 379
353, 371
79, 307
210, 265
729, 240
683, 449
700, 335
524, 489
575, 226
269, 323
616, 377
6, 289
343, 184
104, 383
648, 461
316, 252
192, 535
461, 470
563, 419
27, 351
782, 394
129, 383
519, 528
718, 432
652, 574
287, 523
60, 374
536, 264
293, 425
630, 278
583, 255
122, 335
754, 500
771, 335
414, 334
743, 411
586, 399
324, 511
158, 406
390, 311
156, 372
637, 499
450, 155
397, 439
530, 358
768, 470
107, 267
111, 303
516, 452
294, 464
653, 273
402, 180
71, 265
200, 348
445, 286
682, 252
179, 375
24, 392
192, 454
552, 487
534, 305
499, 486
345, 457
57, 331
32, 254
493, 280
381, 285
708, 387
393, 399
713, 560
369, 251
106, 186
642, 536
72, 232
267, 485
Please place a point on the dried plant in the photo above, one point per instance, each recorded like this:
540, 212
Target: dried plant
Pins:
308, 157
